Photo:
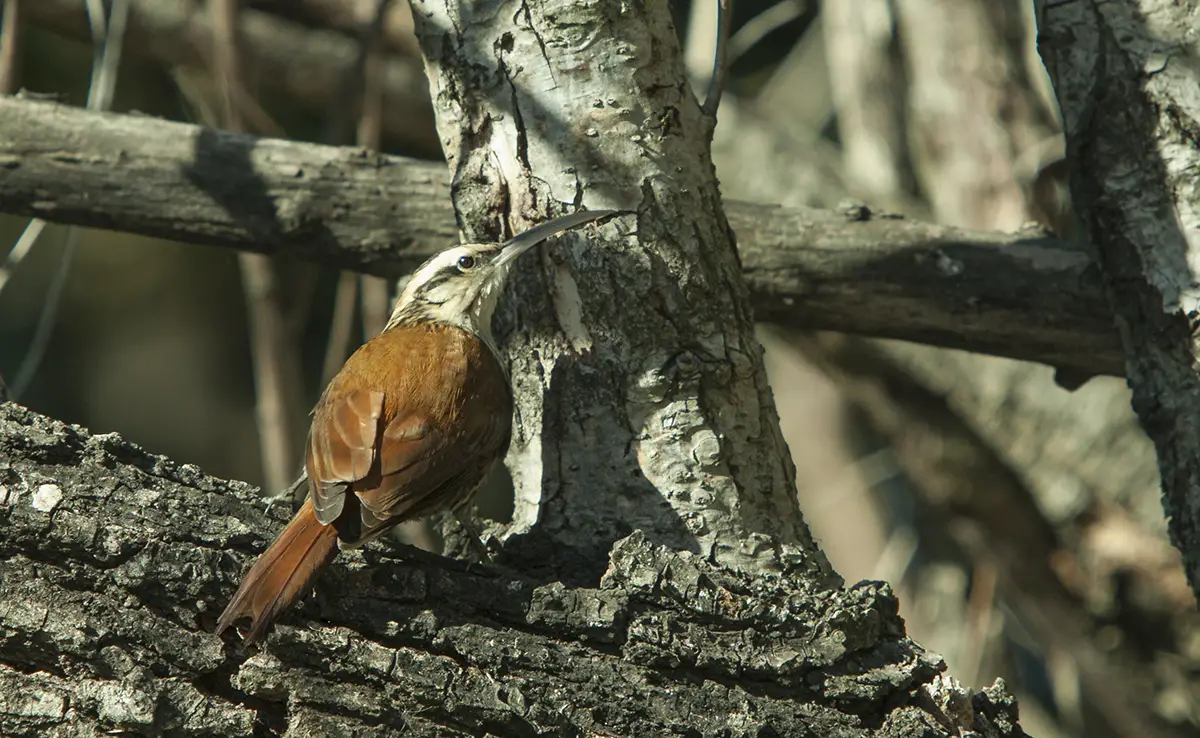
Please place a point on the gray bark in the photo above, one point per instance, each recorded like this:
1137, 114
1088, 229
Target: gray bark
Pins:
980, 133
1022, 295
1007, 520
642, 403
634, 363
1125, 78
114, 564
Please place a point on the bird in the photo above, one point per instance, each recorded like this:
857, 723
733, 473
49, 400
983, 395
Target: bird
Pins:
409, 426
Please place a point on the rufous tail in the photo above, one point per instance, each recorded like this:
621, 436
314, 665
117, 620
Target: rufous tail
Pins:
282, 574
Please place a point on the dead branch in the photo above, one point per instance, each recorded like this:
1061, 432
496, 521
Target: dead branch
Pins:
1022, 295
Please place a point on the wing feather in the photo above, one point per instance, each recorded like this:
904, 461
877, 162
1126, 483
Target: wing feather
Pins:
429, 469
424, 446
341, 449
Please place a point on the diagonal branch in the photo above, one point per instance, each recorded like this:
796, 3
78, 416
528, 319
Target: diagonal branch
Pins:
1022, 295
115, 561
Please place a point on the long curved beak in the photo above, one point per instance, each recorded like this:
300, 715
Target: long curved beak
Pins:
522, 242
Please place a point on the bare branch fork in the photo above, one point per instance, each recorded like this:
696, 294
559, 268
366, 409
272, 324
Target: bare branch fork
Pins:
665, 631
722, 610
1022, 295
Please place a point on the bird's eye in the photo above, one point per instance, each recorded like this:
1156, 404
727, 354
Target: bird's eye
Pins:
466, 263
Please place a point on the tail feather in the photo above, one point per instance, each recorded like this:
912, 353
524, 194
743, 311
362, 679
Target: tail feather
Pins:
282, 574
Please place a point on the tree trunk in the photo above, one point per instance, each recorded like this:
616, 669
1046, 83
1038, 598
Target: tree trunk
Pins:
668, 584
114, 564
642, 402
1126, 85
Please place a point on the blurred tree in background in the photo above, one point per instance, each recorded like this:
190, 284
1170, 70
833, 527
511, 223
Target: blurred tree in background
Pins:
1019, 520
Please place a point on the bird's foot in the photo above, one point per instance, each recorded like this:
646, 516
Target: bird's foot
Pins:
291, 492
463, 539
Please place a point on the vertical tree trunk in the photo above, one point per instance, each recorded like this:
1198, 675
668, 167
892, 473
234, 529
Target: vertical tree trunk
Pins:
1125, 79
641, 403
634, 363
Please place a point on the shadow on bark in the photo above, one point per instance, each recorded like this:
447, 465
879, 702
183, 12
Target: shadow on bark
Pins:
116, 562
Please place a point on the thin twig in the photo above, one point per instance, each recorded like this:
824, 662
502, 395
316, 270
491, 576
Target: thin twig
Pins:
10, 34
716, 82
353, 88
108, 39
275, 387
340, 327
376, 304
374, 290
18, 253
45, 325
362, 91
197, 87
756, 29
225, 61
981, 606
276, 382
369, 67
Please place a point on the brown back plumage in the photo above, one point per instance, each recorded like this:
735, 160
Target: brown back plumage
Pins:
422, 446
410, 426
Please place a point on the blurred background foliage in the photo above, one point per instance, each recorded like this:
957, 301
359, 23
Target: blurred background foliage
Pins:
1020, 522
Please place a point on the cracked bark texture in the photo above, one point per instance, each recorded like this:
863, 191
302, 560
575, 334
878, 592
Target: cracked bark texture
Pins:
641, 397
1125, 78
655, 416
114, 564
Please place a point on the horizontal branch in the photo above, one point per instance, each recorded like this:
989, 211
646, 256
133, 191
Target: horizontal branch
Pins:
311, 64
1022, 295
347, 17
115, 563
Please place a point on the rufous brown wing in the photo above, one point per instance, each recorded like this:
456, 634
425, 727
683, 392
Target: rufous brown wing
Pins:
409, 426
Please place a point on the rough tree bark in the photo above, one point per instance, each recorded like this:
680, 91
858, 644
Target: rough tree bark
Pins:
1125, 82
1082, 455
642, 403
114, 564
633, 363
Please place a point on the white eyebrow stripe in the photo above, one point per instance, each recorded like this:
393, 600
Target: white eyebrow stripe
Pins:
436, 264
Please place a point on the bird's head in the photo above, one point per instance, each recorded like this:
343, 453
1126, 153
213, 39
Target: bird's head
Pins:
461, 285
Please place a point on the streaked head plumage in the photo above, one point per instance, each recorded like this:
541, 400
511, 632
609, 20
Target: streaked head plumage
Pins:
462, 284
459, 286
